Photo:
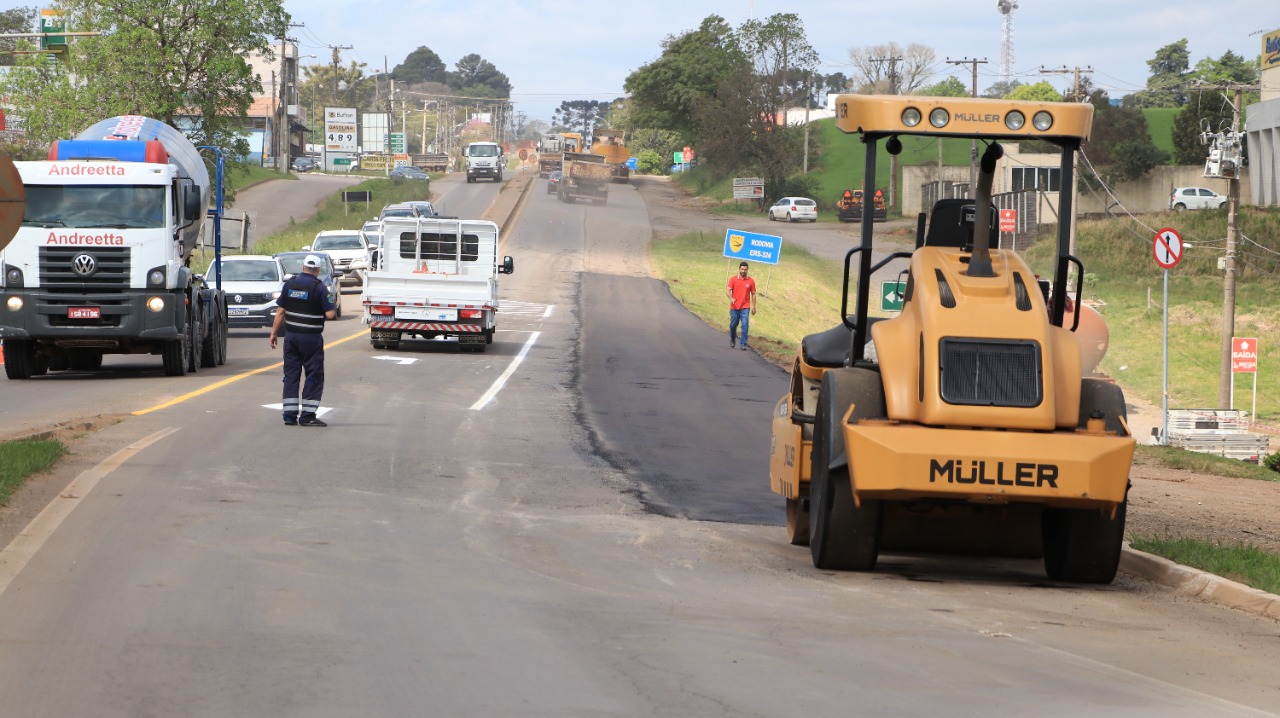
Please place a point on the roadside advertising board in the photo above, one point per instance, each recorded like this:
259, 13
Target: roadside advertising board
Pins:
748, 188
753, 247
340, 129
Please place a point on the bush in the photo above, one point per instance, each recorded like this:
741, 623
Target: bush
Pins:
1272, 461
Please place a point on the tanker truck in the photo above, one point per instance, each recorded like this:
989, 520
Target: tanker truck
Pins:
102, 261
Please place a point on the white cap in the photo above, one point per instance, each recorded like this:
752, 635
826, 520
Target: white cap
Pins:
312, 261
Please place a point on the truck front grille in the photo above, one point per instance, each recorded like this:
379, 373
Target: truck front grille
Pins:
248, 298
984, 372
100, 268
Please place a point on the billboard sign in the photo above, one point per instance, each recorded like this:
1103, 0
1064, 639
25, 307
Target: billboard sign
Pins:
748, 188
762, 248
340, 129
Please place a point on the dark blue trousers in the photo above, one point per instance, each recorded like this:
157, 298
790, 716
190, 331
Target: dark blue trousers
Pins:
303, 354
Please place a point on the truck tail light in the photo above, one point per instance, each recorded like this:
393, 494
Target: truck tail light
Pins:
381, 310
470, 314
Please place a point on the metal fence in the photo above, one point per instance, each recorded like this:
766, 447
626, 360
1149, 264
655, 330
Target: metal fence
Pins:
1027, 227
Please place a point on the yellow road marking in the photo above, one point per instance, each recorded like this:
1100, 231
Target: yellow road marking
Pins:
238, 377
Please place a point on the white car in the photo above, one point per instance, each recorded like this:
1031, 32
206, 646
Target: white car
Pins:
348, 250
252, 283
794, 209
1195, 198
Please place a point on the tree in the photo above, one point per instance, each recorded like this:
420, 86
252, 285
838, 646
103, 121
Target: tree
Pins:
421, 65
664, 143
1228, 69
743, 124
580, 115
1001, 89
649, 162
14, 20
891, 70
1207, 111
346, 87
1166, 87
182, 63
531, 129
1042, 91
824, 85
950, 87
1120, 146
665, 92
477, 77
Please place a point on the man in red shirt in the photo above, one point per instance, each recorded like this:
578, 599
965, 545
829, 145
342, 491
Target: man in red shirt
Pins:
742, 304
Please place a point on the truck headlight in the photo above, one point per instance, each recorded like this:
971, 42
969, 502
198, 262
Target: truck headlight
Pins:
13, 277
14, 304
155, 304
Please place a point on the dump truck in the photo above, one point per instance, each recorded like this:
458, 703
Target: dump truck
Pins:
430, 161
572, 142
102, 261
965, 423
849, 206
550, 149
584, 176
610, 145
435, 278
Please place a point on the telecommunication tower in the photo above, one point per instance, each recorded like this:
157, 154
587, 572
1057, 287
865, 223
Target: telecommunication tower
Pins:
1006, 8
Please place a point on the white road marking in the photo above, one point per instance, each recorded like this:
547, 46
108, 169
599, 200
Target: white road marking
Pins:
280, 408
502, 380
403, 361
24, 546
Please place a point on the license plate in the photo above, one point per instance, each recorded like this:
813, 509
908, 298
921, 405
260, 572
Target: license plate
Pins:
84, 313
237, 311
433, 314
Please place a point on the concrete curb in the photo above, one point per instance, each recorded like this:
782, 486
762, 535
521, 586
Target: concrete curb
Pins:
508, 202
1199, 584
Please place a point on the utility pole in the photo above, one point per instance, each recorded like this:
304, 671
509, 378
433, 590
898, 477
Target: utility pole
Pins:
808, 97
973, 145
1075, 72
336, 49
893, 159
280, 136
1231, 171
1075, 184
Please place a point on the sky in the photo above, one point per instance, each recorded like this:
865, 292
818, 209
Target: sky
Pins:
553, 50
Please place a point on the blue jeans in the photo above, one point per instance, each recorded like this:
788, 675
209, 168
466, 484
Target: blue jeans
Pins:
735, 316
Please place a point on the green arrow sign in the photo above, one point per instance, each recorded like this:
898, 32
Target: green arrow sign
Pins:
891, 295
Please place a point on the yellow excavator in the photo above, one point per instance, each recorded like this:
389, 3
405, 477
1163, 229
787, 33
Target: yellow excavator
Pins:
968, 423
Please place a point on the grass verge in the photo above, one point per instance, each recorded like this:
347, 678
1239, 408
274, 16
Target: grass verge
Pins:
795, 298
1246, 564
23, 458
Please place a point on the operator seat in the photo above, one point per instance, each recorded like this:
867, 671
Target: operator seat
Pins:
830, 349
951, 225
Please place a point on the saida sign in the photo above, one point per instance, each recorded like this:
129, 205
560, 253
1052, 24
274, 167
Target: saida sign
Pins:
762, 248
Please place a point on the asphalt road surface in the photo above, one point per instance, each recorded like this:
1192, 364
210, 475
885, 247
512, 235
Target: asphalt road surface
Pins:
570, 524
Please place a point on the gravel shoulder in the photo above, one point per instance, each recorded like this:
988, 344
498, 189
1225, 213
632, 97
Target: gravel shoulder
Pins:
1162, 502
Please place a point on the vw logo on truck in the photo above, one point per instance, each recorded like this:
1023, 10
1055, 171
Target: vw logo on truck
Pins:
84, 264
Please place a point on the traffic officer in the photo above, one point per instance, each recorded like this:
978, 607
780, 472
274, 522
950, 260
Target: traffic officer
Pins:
304, 305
